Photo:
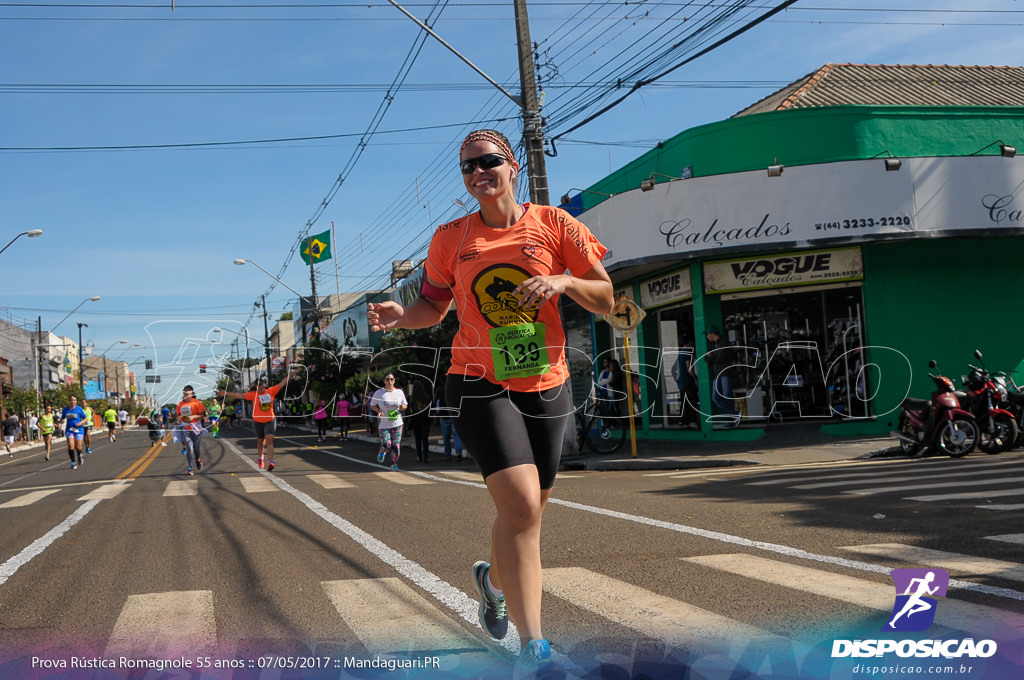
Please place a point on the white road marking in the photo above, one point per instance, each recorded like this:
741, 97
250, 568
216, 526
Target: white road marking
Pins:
186, 487
388, 616
966, 496
448, 595
1012, 506
952, 482
8, 568
401, 478
975, 566
676, 623
954, 614
60, 486
947, 468
909, 478
28, 499
105, 492
329, 481
1008, 538
463, 475
258, 484
164, 626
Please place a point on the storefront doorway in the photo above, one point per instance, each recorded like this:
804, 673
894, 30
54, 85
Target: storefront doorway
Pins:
803, 359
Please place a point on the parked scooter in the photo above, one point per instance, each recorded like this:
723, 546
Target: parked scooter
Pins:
996, 425
937, 424
1014, 399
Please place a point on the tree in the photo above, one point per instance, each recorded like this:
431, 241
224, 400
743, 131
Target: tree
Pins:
19, 400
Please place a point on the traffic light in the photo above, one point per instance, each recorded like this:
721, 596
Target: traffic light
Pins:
202, 368
149, 364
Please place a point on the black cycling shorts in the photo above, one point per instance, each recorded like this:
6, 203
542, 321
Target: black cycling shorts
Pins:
502, 429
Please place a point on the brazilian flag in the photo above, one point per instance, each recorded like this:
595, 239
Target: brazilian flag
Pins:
316, 248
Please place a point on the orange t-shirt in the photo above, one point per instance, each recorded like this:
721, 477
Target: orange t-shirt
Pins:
482, 266
263, 404
189, 409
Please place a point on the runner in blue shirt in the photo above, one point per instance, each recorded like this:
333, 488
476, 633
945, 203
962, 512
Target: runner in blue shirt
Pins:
73, 418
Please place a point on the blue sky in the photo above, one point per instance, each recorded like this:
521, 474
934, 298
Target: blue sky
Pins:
154, 231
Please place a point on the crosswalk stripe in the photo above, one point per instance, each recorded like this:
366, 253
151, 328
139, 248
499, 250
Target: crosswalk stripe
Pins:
975, 566
388, 616
28, 499
1011, 506
165, 625
464, 475
946, 468
257, 484
187, 487
105, 492
402, 478
953, 614
676, 623
966, 496
952, 482
329, 481
909, 478
1007, 538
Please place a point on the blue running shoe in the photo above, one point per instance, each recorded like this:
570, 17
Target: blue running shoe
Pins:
493, 614
380, 457
394, 468
535, 658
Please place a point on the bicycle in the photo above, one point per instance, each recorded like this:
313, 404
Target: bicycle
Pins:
602, 432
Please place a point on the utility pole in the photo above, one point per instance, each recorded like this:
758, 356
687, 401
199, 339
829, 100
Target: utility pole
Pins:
266, 335
312, 283
81, 357
39, 347
533, 132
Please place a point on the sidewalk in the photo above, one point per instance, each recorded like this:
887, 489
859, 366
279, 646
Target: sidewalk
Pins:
784, 446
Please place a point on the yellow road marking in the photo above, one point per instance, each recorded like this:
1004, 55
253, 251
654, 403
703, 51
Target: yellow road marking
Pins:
139, 466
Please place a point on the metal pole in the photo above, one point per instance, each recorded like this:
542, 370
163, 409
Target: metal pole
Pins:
39, 347
266, 335
629, 399
81, 358
533, 133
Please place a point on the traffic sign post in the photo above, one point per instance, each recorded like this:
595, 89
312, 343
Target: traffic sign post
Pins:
626, 316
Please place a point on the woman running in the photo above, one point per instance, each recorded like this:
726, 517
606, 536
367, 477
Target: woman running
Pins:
504, 268
388, 403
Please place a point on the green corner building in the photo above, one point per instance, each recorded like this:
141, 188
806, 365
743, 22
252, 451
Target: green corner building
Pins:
841, 232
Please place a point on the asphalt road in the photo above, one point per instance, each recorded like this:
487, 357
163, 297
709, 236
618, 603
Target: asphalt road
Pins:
334, 557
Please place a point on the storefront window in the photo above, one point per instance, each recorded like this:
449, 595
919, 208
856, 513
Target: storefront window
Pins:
803, 357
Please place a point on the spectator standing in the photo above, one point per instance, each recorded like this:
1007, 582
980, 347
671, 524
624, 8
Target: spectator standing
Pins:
11, 428
342, 415
320, 416
448, 434
419, 419
33, 427
721, 359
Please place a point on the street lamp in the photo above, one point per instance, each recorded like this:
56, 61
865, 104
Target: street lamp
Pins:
94, 298
105, 375
31, 233
117, 370
266, 333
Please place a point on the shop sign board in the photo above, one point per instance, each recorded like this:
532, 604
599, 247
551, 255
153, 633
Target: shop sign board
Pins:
672, 287
801, 268
811, 205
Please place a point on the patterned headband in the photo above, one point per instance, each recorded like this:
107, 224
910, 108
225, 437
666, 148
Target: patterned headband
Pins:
488, 136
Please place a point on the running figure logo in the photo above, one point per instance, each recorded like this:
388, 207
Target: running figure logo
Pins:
913, 611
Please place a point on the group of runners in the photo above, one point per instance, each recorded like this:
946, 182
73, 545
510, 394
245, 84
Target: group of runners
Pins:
77, 421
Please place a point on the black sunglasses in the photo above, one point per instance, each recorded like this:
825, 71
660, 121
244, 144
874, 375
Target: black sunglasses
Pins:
486, 162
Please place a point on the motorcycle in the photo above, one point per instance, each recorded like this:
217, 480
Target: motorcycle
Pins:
997, 425
936, 423
1014, 401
